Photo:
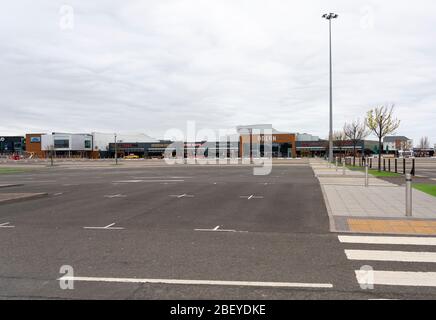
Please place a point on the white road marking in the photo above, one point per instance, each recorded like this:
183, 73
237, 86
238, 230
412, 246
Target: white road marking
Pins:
398, 278
115, 196
251, 197
161, 178
137, 181
58, 194
418, 241
217, 229
179, 196
382, 255
108, 227
202, 282
6, 225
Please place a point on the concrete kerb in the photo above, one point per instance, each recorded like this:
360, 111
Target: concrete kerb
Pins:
332, 224
11, 185
17, 197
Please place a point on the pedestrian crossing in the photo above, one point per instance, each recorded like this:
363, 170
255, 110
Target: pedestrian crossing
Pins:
419, 260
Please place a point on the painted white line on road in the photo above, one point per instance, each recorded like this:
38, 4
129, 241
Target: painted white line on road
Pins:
6, 225
217, 229
108, 227
58, 193
202, 282
418, 241
115, 196
161, 177
137, 181
397, 278
179, 196
382, 255
251, 197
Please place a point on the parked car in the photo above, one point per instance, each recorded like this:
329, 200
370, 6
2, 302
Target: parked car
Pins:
131, 156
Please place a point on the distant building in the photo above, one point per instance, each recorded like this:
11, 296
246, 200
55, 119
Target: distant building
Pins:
33, 145
252, 141
11, 144
395, 144
141, 149
103, 141
307, 137
320, 148
67, 144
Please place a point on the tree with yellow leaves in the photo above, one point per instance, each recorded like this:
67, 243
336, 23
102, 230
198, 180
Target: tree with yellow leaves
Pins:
381, 122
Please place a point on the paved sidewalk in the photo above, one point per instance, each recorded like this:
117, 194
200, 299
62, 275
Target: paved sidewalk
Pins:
379, 208
12, 197
377, 201
321, 168
355, 181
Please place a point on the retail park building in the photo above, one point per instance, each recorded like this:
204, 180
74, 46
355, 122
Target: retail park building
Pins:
253, 140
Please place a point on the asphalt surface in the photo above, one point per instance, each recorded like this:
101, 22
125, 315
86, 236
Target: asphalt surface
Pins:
160, 223
426, 167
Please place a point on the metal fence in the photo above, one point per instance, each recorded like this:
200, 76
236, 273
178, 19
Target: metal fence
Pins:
394, 165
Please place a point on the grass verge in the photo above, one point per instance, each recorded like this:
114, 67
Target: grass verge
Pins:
11, 170
375, 172
427, 188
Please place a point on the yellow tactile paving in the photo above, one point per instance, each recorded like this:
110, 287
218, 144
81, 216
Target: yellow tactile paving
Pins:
425, 227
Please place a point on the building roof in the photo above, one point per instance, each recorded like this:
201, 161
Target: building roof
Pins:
395, 138
260, 127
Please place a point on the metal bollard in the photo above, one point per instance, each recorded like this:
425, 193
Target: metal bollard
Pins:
366, 176
408, 195
343, 167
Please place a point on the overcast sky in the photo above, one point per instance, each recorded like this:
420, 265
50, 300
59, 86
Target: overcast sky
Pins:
149, 66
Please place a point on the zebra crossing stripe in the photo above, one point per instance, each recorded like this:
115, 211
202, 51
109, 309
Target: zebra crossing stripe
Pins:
417, 241
383, 255
397, 278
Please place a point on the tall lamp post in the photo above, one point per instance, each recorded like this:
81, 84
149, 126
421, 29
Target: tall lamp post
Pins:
116, 150
330, 17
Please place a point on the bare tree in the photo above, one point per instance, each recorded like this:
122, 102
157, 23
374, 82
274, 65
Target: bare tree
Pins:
424, 143
381, 122
355, 132
339, 140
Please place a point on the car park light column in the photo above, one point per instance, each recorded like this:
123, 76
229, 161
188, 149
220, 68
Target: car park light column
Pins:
329, 17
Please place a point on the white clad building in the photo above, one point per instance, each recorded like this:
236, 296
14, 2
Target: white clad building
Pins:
67, 144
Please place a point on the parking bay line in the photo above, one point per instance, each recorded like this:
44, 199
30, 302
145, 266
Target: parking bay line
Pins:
179, 196
108, 227
217, 229
251, 197
138, 181
202, 282
6, 225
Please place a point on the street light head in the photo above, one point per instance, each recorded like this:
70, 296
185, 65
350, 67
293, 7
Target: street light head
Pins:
330, 16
